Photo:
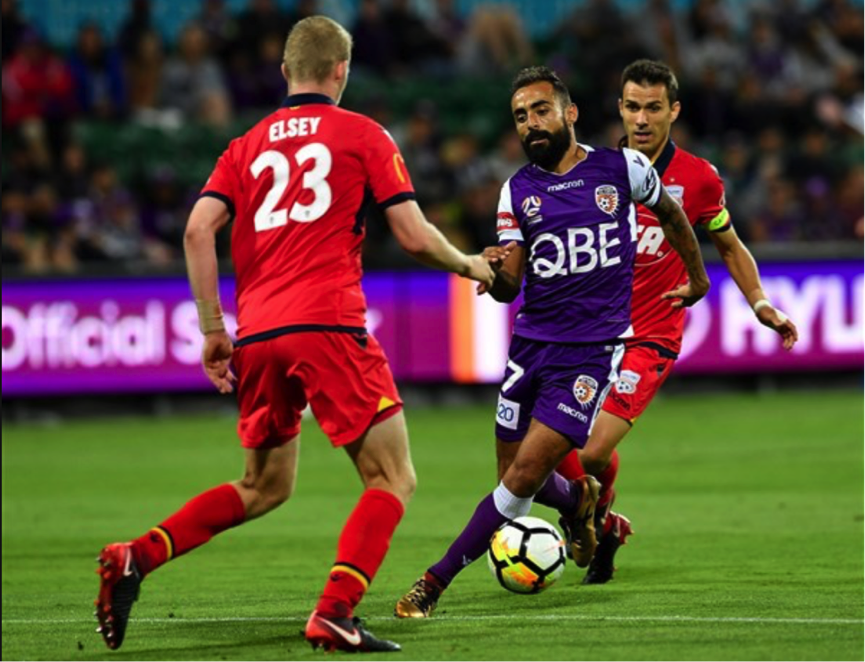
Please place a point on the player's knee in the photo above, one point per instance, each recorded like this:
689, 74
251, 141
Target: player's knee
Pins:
524, 479
404, 483
595, 460
409, 485
282, 492
266, 494
273, 495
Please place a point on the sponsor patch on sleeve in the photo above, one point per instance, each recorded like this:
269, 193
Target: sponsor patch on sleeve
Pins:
506, 221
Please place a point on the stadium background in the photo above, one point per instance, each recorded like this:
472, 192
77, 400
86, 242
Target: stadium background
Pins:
114, 113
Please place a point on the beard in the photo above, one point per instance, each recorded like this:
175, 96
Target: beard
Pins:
548, 155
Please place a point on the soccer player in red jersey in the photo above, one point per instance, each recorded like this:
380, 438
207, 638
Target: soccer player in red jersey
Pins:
648, 107
296, 187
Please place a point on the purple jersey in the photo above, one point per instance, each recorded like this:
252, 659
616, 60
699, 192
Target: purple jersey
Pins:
580, 230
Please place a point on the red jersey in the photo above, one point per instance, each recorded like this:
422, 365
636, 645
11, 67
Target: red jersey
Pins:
297, 185
695, 184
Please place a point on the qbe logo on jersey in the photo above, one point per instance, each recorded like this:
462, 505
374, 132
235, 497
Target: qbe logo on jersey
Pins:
508, 413
607, 199
585, 389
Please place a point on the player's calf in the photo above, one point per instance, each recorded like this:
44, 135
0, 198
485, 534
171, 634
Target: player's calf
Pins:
119, 585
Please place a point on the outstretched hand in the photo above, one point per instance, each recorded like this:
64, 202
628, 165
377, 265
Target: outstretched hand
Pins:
495, 256
774, 319
480, 270
686, 295
215, 358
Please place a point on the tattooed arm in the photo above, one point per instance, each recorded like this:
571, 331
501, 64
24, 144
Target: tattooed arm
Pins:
680, 234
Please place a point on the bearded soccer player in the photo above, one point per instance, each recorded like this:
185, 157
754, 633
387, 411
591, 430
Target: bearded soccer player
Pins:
296, 186
571, 214
648, 107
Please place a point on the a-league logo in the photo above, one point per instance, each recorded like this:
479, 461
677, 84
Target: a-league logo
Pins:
585, 389
607, 199
531, 205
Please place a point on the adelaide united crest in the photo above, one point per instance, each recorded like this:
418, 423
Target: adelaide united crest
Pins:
607, 199
677, 193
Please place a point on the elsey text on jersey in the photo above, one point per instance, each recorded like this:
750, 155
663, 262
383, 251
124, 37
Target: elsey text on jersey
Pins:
294, 127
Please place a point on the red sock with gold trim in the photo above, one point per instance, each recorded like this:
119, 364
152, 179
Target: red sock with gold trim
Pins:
193, 525
362, 546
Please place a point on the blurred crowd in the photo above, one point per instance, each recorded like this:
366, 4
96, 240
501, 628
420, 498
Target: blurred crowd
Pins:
771, 95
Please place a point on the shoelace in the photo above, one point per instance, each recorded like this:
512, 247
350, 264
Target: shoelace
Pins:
422, 594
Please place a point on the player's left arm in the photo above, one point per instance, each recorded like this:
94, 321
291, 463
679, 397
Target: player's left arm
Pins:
647, 189
208, 217
743, 268
678, 231
509, 263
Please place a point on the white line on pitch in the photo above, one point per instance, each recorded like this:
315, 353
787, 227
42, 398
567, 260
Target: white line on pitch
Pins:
491, 617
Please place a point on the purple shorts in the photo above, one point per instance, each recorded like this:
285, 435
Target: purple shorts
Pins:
562, 386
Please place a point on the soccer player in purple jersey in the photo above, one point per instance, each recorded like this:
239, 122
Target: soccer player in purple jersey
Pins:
571, 214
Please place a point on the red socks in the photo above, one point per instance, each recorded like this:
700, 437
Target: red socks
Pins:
197, 522
607, 479
571, 467
362, 547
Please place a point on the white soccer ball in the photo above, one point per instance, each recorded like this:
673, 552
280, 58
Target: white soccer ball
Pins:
527, 555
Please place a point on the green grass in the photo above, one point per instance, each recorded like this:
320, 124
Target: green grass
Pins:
745, 507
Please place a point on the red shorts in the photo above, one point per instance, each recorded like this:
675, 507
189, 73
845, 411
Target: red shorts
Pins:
344, 377
642, 372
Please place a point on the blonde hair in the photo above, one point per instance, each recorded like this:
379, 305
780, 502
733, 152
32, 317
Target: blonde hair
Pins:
314, 47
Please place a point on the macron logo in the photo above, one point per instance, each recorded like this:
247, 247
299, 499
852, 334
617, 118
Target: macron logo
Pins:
564, 186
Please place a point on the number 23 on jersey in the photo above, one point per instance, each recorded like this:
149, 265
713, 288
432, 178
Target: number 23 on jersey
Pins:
269, 215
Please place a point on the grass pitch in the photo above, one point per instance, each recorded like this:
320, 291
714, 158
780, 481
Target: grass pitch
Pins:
748, 512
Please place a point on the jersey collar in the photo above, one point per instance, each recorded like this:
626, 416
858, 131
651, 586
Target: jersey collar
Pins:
306, 98
663, 161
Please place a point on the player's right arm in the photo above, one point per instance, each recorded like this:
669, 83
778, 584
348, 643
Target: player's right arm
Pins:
212, 212
208, 217
423, 241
